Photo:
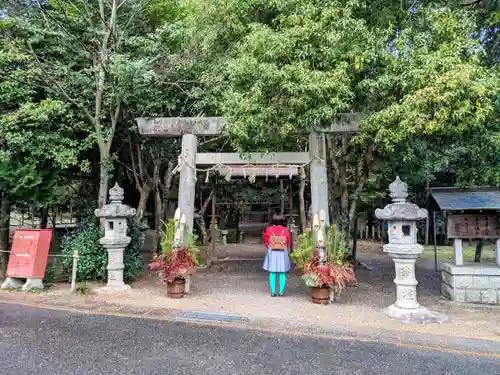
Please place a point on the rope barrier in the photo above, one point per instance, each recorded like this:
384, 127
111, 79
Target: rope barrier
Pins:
182, 160
74, 268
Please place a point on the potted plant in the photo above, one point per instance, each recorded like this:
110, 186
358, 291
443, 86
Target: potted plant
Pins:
333, 272
175, 264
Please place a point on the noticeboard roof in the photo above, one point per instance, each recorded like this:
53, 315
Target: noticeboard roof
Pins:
466, 200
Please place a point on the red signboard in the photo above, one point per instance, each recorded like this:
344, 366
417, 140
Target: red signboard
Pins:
28, 256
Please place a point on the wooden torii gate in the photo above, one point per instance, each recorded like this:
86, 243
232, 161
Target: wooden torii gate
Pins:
191, 127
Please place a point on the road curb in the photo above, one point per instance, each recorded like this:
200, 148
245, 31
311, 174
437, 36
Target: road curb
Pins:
486, 346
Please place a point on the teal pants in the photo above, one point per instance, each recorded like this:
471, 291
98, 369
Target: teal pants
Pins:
282, 281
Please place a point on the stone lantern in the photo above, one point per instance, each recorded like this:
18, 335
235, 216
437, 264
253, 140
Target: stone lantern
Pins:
115, 240
402, 218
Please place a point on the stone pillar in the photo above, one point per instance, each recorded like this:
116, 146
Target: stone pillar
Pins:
319, 178
187, 179
497, 251
458, 252
115, 238
404, 250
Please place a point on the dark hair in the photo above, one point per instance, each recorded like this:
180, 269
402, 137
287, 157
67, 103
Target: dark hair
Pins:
278, 220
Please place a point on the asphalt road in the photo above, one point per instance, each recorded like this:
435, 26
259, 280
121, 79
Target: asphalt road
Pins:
37, 341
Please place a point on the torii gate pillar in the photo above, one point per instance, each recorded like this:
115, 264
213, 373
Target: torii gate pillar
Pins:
187, 179
319, 180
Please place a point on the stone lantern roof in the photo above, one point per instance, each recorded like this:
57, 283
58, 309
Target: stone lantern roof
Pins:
115, 208
400, 209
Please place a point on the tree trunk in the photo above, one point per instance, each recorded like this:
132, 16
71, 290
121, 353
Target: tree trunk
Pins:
5, 207
200, 221
167, 185
159, 209
44, 217
103, 184
282, 198
354, 238
302, 205
200, 218
143, 200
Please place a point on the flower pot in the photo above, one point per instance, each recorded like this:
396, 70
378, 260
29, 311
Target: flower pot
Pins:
320, 296
176, 288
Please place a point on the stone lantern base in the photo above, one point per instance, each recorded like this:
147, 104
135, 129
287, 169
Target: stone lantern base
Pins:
420, 315
113, 289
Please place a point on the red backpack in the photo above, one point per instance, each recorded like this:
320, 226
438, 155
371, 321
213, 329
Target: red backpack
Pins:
278, 242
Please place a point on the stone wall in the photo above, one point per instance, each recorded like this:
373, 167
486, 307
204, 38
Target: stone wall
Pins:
475, 283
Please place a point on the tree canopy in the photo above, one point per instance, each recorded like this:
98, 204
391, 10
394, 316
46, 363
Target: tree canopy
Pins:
75, 75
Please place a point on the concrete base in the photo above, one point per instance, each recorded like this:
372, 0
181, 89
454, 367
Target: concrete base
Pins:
415, 316
15, 283
108, 289
12, 283
33, 284
472, 282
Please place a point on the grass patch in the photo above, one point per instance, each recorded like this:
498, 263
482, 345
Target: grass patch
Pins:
35, 290
82, 289
445, 253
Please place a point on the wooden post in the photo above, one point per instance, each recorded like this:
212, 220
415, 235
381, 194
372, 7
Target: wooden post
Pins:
479, 250
211, 254
434, 234
290, 217
282, 198
355, 238
427, 229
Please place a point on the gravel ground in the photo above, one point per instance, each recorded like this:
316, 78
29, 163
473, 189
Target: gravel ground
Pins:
42, 342
241, 287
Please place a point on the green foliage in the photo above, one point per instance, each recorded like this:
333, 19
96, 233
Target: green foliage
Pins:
335, 248
131, 258
304, 251
35, 290
93, 257
168, 235
417, 70
82, 289
334, 270
42, 138
49, 275
190, 239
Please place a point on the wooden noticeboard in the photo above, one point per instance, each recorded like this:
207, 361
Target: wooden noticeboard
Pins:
29, 253
474, 226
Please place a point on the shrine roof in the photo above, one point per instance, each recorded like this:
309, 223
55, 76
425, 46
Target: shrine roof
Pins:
456, 199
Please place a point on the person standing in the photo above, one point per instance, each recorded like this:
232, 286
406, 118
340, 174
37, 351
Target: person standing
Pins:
277, 240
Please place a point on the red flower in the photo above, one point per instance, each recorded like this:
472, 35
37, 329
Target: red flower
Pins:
329, 274
175, 265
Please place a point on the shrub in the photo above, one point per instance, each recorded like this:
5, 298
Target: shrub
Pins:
93, 257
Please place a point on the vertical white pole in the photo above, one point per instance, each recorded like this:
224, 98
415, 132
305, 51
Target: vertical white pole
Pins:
73, 271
